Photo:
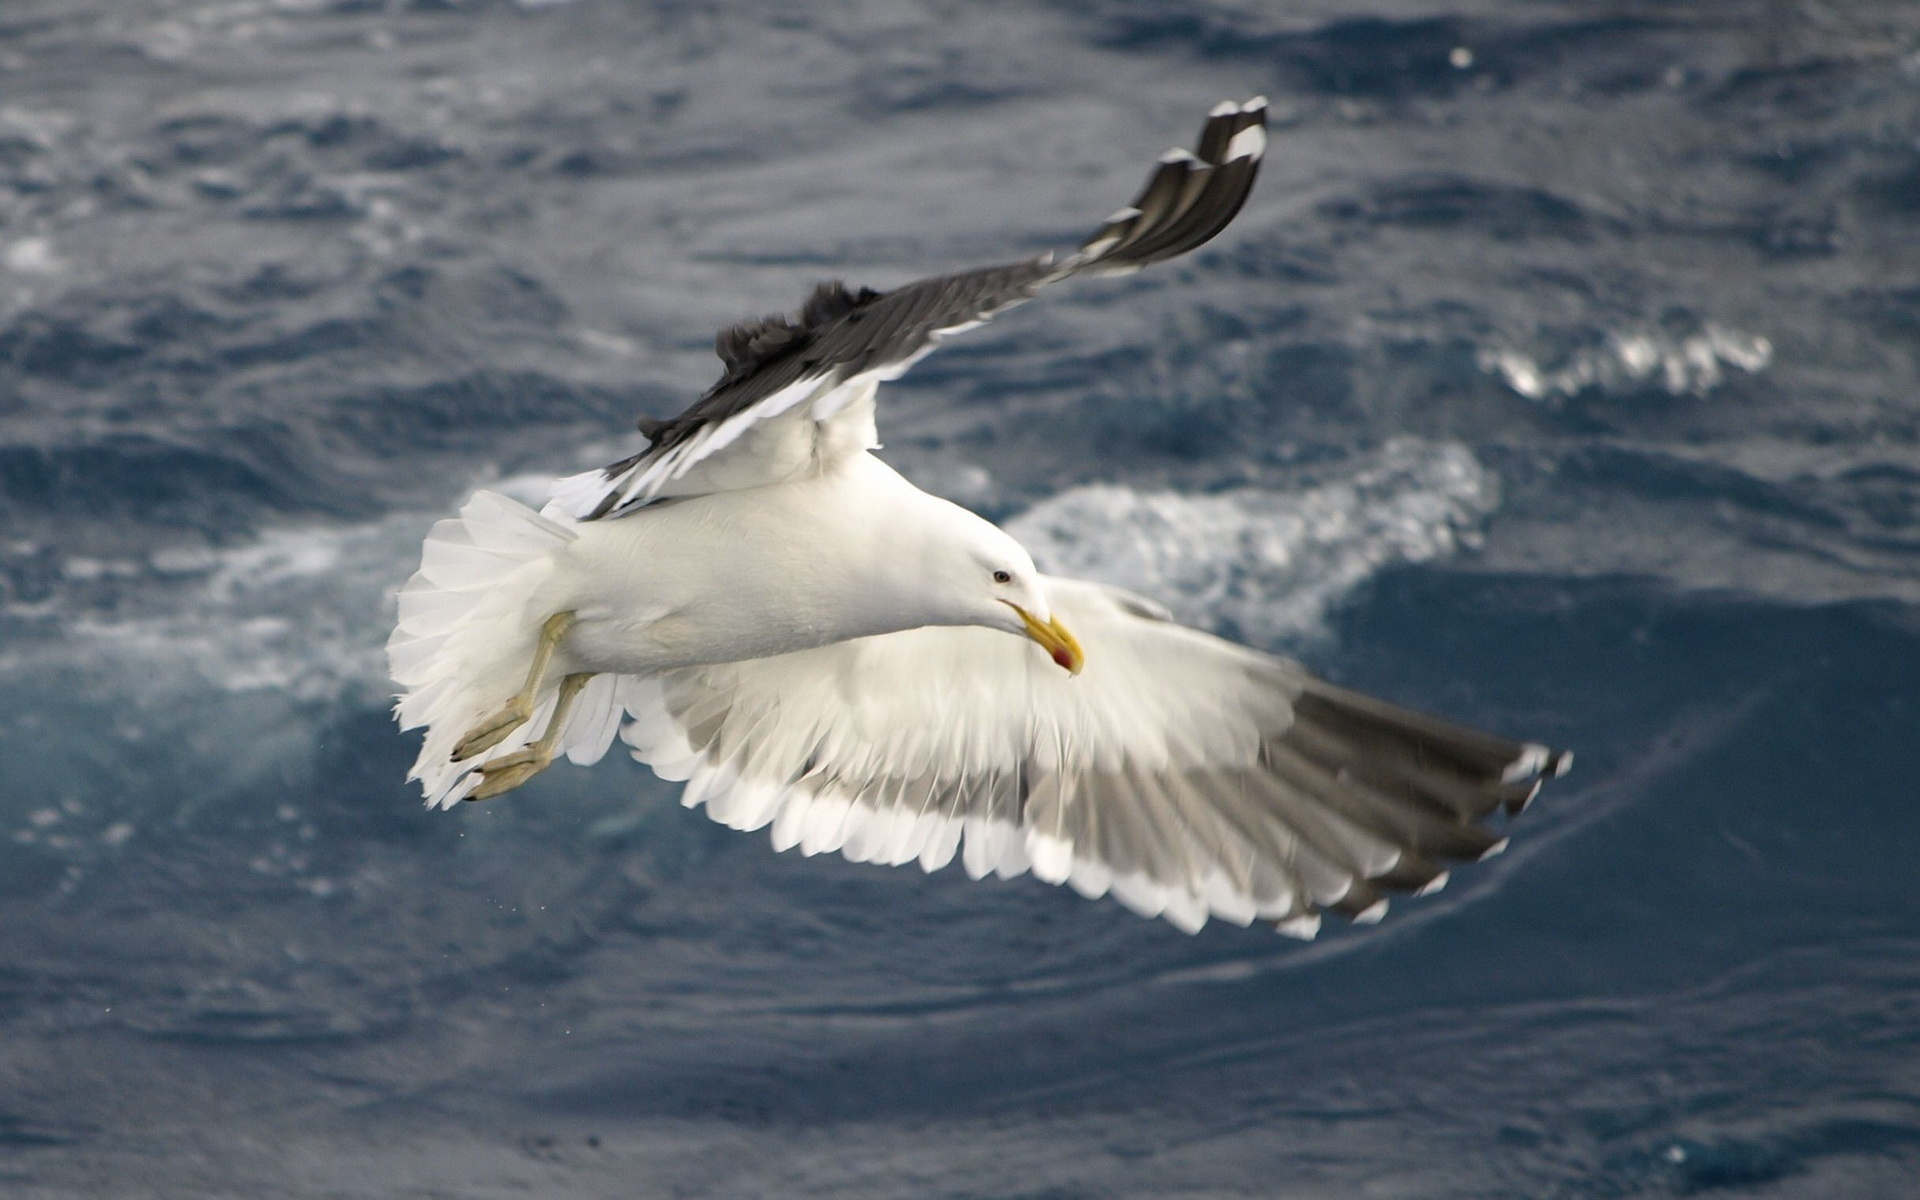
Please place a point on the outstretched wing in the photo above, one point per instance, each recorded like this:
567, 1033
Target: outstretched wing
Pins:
1184, 774
798, 391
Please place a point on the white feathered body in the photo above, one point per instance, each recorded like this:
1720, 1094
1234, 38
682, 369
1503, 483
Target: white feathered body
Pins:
741, 574
747, 574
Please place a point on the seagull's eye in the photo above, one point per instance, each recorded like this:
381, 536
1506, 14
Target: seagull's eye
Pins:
1003, 576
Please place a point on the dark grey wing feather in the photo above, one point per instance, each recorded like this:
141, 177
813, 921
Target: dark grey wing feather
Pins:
842, 335
1188, 200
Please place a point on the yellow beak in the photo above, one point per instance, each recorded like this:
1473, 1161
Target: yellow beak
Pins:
1054, 639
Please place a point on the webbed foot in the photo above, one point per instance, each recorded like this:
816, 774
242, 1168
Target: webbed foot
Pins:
494, 730
509, 771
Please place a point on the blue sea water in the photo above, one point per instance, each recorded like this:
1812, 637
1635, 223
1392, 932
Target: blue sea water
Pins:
1562, 376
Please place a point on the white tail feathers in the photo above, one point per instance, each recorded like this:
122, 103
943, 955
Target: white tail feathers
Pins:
466, 637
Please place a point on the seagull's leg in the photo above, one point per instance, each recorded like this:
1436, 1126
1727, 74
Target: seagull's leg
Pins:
509, 771
489, 733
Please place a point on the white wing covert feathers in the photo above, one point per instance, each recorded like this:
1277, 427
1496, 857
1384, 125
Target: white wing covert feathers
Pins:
798, 391
1186, 775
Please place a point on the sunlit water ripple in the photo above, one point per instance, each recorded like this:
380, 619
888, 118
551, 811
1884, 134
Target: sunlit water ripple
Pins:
1560, 377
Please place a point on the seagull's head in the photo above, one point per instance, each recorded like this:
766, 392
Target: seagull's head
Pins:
986, 578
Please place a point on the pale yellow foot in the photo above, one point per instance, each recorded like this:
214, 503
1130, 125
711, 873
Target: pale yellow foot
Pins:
509, 771
492, 731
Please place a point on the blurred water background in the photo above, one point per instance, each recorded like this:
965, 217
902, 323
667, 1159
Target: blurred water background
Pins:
1561, 376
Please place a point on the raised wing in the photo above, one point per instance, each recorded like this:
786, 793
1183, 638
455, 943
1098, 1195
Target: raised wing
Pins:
797, 391
1183, 774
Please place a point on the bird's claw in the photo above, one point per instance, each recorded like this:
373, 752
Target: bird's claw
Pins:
492, 731
508, 772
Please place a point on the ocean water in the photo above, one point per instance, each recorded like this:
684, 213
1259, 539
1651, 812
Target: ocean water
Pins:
1563, 376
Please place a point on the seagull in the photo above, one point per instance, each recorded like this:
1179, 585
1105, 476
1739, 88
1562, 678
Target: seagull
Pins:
761, 608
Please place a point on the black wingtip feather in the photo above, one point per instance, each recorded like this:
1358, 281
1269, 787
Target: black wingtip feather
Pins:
1518, 800
1422, 784
1413, 873
1158, 201
1422, 738
1360, 903
1188, 199
1223, 192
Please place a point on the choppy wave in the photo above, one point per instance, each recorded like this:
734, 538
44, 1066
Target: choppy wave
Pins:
302, 612
1261, 564
280, 279
1687, 365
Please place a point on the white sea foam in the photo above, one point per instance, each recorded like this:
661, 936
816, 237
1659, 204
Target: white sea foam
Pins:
304, 611
31, 256
1693, 365
1263, 563
299, 611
